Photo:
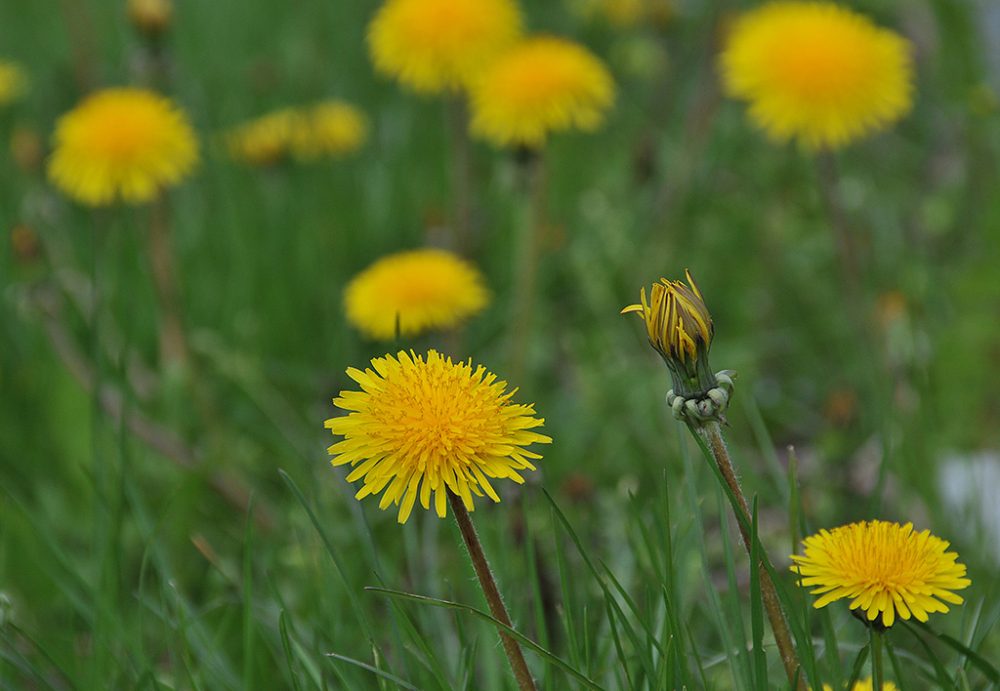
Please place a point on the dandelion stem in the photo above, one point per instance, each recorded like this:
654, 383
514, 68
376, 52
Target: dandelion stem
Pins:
877, 670
843, 236
173, 340
712, 434
527, 258
461, 176
521, 672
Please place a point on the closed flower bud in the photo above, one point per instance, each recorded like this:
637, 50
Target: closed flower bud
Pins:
151, 17
680, 328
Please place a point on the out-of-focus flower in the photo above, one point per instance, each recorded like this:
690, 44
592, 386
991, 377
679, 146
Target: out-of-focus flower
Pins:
680, 329
26, 148
421, 427
432, 46
885, 569
865, 685
263, 141
122, 144
629, 13
13, 82
330, 129
150, 17
817, 72
413, 292
541, 86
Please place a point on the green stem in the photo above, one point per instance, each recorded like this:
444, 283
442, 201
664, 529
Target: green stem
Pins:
489, 585
712, 434
878, 674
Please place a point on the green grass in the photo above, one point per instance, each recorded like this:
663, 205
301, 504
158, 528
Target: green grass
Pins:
122, 568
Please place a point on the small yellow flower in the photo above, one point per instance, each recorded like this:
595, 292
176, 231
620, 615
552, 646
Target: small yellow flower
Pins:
865, 685
329, 129
124, 144
817, 72
264, 140
416, 291
885, 569
541, 86
13, 82
420, 427
151, 17
432, 46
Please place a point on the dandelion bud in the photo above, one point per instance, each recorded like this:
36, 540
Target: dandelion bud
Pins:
680, 329
26, 148
150, 17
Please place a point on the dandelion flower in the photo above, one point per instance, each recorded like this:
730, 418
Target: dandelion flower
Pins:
541, 86
151, 17
420, 427
329, 129
680, 329
817, 72
264, 140
13, 82
123, 144
884, 568
416, 290
432, 46
866, 685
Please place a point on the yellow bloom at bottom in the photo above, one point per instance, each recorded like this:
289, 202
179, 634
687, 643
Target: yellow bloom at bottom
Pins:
431, 426
865, 685
885, 569
123, 144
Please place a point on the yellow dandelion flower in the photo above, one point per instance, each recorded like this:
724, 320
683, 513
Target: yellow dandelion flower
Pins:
13, 82
265, 140
817, 72
416, 290
885, 569
866, 685
541, 86
151, 17
420, 426
432, 46
124, 144
329, 129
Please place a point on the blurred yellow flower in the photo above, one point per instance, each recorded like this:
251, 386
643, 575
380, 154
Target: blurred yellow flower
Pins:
151, 17
886, 569
125, 144
329, 129
419, 427
432, 46
416, 291
13, 82
865, 685
817, 72
264, 140
540, 86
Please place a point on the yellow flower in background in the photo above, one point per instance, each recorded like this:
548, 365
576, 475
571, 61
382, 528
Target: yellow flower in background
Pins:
417, 291
121, 144
540, 86
329, 129
885, 569
264, 140
817, 72
13, 82
151, 17
421, 427
432, 46
866, 685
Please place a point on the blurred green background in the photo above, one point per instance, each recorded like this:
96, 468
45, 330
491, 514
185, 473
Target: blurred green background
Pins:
128, 558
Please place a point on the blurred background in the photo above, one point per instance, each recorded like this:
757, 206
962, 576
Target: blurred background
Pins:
147, 539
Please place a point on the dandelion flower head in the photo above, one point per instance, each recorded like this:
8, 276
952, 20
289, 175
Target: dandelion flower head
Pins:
417, 290
420, 427
817, 72
677, 321
263, 141
122, 143
540, 86
331, 129
885, 569
13, 82
433, 46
